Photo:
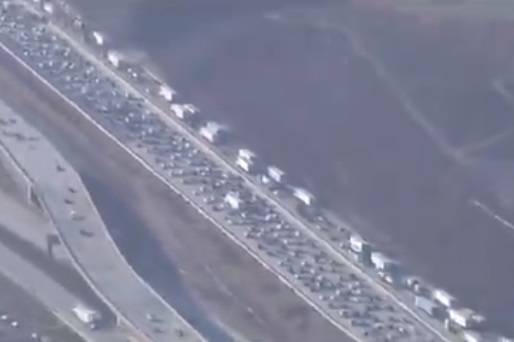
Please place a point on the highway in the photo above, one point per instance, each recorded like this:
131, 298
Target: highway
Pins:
285, 212
87, 241
55, 297
166, 182
217, 157
185, 197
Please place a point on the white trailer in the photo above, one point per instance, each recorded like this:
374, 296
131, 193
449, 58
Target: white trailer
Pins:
115, 58
382, 262
233, 200
212, 132
183, 111
466, 318
425, 304
276, 174
167, 92
86, 314
98, 38
48, 7
444, 298
247, 154
245, 164
304, 196
357, 243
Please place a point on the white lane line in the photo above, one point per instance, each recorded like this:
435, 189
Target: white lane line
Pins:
207, 149
217, 157
292, 217
225, 231
85, 273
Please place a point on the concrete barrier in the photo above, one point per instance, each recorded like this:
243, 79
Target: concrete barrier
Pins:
20, 177
50, 186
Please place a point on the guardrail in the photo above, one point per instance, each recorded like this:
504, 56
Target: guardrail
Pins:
46, 208
286, 211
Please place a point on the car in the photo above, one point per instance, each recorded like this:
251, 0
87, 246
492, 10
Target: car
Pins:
151, 317
85, 232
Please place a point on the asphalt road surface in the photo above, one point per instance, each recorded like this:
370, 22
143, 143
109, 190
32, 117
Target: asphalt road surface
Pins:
195, 268
32, 316
289, 81
94, 256
52, 295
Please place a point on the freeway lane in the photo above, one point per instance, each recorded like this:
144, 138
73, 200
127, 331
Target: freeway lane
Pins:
200, 210
315, 106
202, 146
131, 200
83, 233
51, 294
292, 217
